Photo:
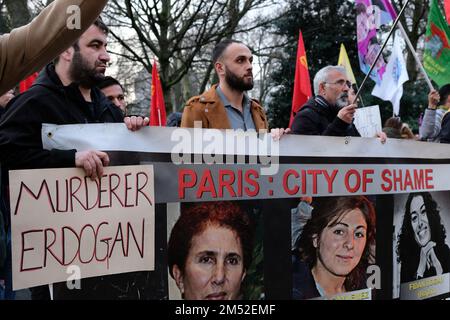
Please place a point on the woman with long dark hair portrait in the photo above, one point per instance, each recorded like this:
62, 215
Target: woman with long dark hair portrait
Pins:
335, 248
421, 247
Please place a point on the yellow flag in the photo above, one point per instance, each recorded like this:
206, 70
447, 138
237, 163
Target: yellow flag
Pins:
345, 62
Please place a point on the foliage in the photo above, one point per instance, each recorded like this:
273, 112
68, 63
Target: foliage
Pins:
325, 25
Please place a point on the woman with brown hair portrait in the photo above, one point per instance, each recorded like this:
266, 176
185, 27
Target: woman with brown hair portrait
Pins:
335, 248
209, 251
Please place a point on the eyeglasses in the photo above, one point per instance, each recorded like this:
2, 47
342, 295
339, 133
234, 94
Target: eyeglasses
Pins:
342, 82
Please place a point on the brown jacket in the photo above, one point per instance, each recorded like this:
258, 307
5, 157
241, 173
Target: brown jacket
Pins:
28, 48
209, 109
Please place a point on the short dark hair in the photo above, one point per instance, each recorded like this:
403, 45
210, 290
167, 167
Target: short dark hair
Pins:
220, 48
444, 92
99, 24
108, 82
194, 219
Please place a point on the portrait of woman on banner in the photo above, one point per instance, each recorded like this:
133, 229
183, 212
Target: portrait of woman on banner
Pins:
335, 248
421, 247
210, 250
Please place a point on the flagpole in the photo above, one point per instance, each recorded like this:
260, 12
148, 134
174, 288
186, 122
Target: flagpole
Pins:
416, 57
382, 49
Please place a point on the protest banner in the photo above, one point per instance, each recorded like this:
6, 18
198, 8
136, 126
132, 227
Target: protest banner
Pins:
266, 179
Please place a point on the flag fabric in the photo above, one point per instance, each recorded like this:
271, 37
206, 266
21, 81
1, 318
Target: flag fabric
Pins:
391, 87
437, 46
25, 84
345, 62
370, 16
302, 83
157, 106
447, 10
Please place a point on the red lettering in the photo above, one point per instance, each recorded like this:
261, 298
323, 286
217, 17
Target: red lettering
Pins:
225, 183
304, 182
240, 183
63, 248
47, 247
100, 191
139, 188
357, 184
419, 179
22, 258
314, 174
286, 177
97, 192
408, 181
43, 187
58, 197
252, 182
127, 205
130, 230
185, 184
113, 188
366, 178
330, 179
81, 246
206, 185
106, 241
118, 239
398, 179
429, 178
73, 193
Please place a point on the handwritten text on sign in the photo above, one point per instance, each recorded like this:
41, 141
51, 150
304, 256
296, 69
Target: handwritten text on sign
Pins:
62, 218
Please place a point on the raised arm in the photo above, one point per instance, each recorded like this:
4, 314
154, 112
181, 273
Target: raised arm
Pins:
28, 48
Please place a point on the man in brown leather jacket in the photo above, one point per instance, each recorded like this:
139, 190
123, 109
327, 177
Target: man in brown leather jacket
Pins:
226, 105
27, 49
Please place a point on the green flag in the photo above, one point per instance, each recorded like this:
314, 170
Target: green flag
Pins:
437, 47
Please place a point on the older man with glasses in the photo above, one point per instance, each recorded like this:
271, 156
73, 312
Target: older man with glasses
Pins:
329, 113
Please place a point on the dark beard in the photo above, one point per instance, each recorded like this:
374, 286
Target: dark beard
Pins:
237, 83
81, 73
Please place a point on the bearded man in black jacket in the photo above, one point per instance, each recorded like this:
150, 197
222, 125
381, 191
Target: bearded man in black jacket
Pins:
64, 93
329, 113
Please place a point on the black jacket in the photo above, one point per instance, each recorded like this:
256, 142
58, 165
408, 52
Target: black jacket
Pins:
318, 120
303, 284
47, 101
444, 135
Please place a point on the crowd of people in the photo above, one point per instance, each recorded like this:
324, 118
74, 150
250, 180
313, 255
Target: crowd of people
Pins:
72, 88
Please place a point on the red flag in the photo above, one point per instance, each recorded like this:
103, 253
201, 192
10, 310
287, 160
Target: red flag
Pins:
158, 107
27, 83
447, 10
302, 84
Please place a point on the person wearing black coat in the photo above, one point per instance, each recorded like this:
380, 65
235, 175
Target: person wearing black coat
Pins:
329, 113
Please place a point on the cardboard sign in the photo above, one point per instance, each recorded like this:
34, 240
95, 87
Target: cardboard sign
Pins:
368, 121
66, 226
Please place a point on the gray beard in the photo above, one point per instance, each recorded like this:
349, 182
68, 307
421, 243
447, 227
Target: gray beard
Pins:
342, 101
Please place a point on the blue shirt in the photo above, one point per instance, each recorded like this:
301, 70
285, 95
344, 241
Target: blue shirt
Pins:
238, 120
